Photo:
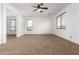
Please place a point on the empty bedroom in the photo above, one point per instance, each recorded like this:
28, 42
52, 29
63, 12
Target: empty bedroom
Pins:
39, 28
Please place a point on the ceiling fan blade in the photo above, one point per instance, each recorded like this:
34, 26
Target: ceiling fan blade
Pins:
44, 7
41, 4
34, 6
35, 9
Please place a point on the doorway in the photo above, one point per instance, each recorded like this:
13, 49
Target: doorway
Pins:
10, 25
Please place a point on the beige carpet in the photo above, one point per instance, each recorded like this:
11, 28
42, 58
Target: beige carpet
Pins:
38, 45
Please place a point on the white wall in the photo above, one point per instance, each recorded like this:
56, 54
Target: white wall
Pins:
4, 23
72, 23
3, 11
41, 25
1, 24
19, 21
3, 28
20, 25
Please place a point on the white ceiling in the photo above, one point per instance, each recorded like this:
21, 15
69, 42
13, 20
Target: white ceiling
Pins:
10, 13
26, 9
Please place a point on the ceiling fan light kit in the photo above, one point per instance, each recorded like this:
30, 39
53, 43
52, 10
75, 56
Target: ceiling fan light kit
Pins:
39, 10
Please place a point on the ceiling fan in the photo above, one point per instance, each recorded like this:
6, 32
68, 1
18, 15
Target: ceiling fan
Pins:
39, 7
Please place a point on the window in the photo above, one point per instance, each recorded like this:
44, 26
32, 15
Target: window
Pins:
60, 21
12, 24
29, 25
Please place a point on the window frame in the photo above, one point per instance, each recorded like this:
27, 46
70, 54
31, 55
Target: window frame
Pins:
61, 25
13, 26
27, 28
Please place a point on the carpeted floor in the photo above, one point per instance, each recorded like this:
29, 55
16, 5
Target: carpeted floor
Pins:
38, 45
